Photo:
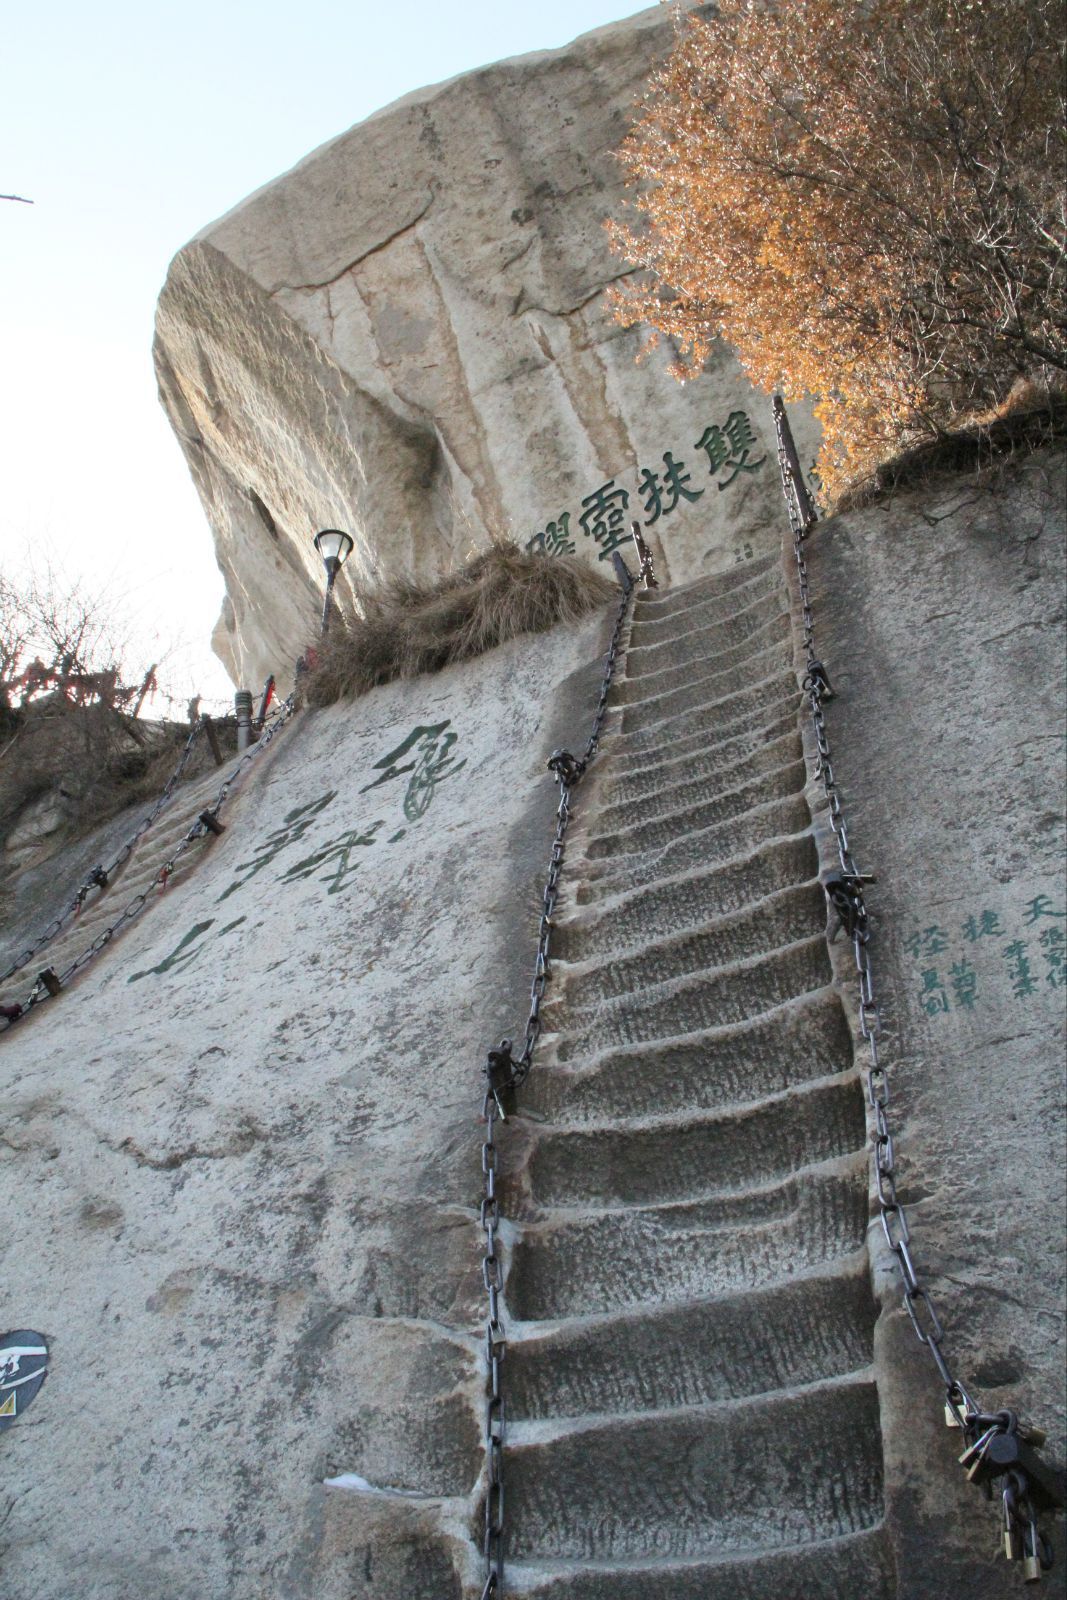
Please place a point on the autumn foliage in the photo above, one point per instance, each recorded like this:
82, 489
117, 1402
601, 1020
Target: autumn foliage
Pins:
866, 201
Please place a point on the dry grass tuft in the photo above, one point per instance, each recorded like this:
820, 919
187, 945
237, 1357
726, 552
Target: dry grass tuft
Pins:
1017, 430
408, 629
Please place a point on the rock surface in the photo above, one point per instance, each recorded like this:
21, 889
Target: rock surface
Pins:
240, 1156
407, 336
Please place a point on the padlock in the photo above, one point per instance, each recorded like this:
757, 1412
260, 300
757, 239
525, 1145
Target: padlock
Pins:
1001, 1453
1013, 1546
972, 1457
1032, 1572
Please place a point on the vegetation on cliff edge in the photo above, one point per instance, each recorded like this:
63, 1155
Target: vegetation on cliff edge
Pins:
866, 202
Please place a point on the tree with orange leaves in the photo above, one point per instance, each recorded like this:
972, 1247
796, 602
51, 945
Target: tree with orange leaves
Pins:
866, 201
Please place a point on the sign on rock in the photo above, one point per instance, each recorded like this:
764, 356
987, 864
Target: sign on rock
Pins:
23, 1366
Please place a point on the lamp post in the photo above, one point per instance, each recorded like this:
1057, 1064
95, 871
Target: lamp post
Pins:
334, 547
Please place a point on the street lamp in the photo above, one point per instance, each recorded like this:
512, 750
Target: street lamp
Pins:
334, 547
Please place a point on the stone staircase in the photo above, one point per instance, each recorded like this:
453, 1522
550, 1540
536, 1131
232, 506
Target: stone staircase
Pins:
691, 1402
103, 906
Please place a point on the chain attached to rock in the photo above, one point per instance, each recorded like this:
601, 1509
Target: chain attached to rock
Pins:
503, 1073
49, 983
644, 556
998, 1446
100, 876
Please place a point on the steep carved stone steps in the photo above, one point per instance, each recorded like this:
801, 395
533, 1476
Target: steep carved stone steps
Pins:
707, 708
633, 833
806, 1038
722, 842
693, 784
630, 918
833, 1569
758, 630
683, 1157
137, 874
667, 614
778, 920
665, 666
695, 1353
700, 687
749, 717
746, 1473
692, 1411
688, 1005
759, 702
731, 663
577, 1264
685, 759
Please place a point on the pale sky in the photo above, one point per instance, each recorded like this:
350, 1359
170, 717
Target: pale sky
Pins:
131, 126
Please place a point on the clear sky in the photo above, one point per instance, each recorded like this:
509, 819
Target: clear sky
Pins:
131, 126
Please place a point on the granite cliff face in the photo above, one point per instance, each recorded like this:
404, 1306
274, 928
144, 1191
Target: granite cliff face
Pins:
407, 336
240, 1156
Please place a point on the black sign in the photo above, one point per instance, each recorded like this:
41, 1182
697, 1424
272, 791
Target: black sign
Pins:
23, 1366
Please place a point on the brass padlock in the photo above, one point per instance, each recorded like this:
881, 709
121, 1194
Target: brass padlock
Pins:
1032, 1570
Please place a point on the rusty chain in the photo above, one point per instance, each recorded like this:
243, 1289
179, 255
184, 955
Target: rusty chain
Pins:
504, 1072
50, 983
998, 1445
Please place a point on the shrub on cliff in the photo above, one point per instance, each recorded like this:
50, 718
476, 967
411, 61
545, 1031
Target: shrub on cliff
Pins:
405, 629
71, 739
866, 201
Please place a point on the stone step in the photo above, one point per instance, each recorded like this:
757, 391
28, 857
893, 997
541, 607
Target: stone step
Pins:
103, 908
750, 749
614, 872
627, 834
682, 787
752, 709
635, 916
696, 1354
748, 715
847, 1568
688, 1005
685, 1156
706, 682
666, 608
721, 699
721, 1067
758, 1474
701, 652
691, 1407
612, 1260
783, 918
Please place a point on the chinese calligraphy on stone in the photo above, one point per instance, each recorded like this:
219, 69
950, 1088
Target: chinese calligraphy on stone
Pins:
1029, 957
731, 449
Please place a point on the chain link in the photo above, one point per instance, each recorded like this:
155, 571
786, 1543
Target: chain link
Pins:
845, 896
49, 983
504, 1072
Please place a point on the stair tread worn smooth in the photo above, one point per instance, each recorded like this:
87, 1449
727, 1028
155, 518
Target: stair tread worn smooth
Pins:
837, 1569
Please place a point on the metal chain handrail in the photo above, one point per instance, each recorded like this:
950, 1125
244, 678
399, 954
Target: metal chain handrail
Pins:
50, 983
998, 1445
503, 1074
98, 878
